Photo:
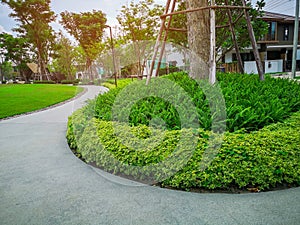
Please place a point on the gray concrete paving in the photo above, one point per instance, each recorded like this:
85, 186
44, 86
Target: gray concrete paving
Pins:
42, 182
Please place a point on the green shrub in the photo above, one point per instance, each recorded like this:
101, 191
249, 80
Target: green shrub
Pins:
261, 159
171, 69
264, 156
75, 82
110, 83
250, 103
44, 82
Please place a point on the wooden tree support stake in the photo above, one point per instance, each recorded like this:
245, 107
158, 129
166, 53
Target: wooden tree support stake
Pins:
163, 33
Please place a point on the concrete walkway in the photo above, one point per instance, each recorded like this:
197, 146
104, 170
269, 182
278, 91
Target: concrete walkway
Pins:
42, 182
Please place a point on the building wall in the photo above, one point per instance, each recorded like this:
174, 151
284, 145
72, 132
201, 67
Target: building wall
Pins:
271, 66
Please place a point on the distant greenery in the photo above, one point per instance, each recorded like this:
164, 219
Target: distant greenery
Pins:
87, 28
74, 82
44, 82
18, 99
35, 32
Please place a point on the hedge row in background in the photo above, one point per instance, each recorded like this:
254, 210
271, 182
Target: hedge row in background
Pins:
44, 82
74, 82
261, 159
250, 103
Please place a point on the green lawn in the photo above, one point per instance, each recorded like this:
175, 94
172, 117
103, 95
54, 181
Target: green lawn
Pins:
18, 99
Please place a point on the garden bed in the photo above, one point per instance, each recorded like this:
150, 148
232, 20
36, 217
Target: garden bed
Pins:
260, 149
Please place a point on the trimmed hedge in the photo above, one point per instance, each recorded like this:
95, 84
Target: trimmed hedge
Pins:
74, 82
265, 156
44, 82
262, 159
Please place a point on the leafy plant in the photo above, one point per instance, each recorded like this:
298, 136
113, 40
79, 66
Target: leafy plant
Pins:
250, 104
260, 148
261, 159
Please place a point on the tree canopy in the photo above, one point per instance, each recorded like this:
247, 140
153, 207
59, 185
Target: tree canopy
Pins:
16, 50
64, 59
34, 18
140, 21
87, 28
139, 24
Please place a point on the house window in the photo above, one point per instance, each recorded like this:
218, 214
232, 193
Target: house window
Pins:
272, 27
286, 33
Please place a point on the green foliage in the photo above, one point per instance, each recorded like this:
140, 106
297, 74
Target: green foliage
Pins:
223, 34
7, 70
87, 28
261, 159
250, 103
139, 24
44, 82
64, 58
179, 21
262, 152
171, 69
15, 49
110, 83
34, 18
140, 21
150, 108
75, 82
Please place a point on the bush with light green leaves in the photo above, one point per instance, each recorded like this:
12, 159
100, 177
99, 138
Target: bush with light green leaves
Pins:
261, 147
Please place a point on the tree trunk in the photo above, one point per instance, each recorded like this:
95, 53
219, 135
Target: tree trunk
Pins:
198, 24
88, 69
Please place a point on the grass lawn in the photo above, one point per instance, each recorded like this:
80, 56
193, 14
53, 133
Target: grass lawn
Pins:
18, 99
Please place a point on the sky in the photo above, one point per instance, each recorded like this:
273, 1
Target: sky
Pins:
112, 7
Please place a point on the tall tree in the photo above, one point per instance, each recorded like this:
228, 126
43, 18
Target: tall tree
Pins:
198, 26
139, 23
87, 28
16, 50
34, 18
64, 59
7, 71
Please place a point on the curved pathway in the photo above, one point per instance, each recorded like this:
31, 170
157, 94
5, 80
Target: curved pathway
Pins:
42, 182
